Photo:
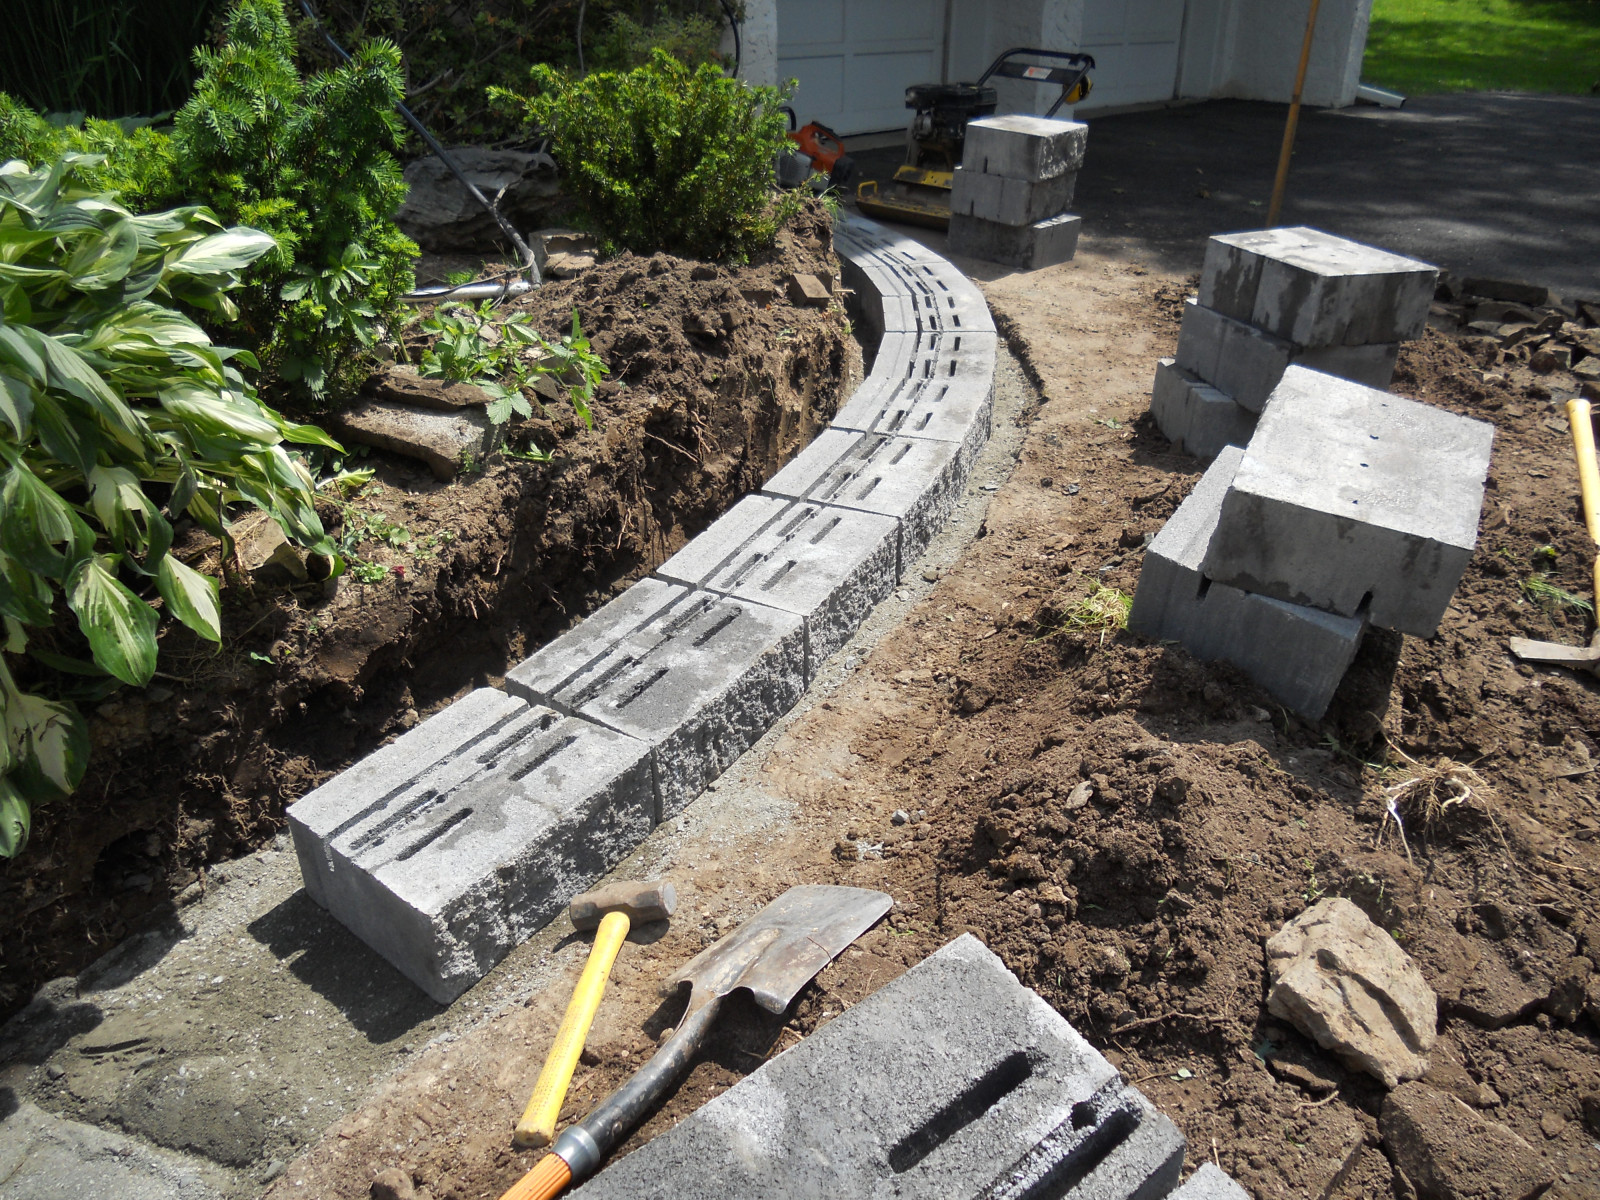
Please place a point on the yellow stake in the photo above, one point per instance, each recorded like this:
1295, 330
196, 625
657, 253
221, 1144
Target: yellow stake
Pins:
538, 1124
1578, 416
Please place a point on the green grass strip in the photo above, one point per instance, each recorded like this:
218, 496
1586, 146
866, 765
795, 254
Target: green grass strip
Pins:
1422, 46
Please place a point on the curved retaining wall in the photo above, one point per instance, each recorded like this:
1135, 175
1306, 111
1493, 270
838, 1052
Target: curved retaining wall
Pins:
450, 845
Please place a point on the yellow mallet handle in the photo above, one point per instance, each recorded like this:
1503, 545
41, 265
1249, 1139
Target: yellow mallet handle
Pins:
1578, 416
538, 1124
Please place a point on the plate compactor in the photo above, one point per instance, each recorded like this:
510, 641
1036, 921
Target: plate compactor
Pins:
919, 193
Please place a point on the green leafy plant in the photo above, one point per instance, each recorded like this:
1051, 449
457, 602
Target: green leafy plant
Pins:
118, 417
507, 358
666, 157
692, 39
138, 160
1547, 595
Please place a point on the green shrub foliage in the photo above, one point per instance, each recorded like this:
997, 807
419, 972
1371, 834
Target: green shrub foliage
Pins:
118, 417
666, 157
137, 161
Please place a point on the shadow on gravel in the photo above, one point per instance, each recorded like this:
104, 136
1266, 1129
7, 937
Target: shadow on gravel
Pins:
379, 1001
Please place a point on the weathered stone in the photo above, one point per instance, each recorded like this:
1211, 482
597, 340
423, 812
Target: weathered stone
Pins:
447, 442
400, 384
393, 1184
1511, 291
1569, 993
808, 291
1552, 357
1449, 1152
1343, 982
440, 214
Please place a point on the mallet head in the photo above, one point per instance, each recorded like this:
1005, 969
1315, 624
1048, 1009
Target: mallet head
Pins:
642, 902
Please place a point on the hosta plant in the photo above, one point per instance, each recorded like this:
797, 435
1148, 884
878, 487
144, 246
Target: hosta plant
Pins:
118, 417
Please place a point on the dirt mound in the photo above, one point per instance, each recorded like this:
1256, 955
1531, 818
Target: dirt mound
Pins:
715, 382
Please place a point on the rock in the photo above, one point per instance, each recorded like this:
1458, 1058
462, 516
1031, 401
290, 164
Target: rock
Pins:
1304, 1075
445, 441
1446, 1074
402, 385
1590, 390
1552, 1124
1570, 992
808, 290
439, 214
899, 817
1511, 291
1588, 369
1449, 1152
393, 1184
290, 561
1342, 981
1554, 357
1590, 1104
568, 252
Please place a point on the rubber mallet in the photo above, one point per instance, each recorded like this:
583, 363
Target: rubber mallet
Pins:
612, 910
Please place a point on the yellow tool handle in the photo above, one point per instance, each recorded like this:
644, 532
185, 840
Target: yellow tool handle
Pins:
1578, 416
538, 1124
545, 1182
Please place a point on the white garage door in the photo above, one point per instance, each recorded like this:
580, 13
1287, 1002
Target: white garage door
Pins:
1135, 48
855, 60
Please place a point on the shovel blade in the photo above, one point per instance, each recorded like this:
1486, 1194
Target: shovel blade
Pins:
1555, 654
776, 952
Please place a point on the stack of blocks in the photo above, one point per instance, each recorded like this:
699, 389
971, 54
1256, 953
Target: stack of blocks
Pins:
1009, 196
1348, 506
1279, 296
453, 844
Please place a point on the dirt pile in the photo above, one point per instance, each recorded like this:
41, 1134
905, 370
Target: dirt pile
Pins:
716, 380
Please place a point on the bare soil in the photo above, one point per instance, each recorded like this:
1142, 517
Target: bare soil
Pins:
716, 380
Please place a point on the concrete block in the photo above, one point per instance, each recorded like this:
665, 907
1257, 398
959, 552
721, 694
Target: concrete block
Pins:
943, 301
883, 300
827, 565
953, 1080
1024, 147
1355, 501
1297, 654
943, 388
1010, 201
1247, 362
1028, 247
1196, 417
696, 676
1210, 1182
917, 481
447, 871
1317, 290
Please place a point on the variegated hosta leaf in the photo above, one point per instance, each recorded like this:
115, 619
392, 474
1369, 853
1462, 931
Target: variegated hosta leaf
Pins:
121, 628
191, 597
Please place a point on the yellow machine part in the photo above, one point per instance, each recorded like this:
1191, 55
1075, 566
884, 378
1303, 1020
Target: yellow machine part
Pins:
916, 195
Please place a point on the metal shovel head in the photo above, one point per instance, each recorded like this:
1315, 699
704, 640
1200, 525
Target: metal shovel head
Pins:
1557, 655
776, 952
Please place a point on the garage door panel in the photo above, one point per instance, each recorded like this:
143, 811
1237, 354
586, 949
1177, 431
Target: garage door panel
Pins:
1134, 74
895, 20
804, 25
855, 58
1154, 20
820, 94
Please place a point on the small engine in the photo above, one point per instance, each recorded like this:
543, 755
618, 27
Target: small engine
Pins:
939, 126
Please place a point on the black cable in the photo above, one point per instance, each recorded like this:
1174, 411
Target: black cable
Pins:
733, 23
529, 265
581, 6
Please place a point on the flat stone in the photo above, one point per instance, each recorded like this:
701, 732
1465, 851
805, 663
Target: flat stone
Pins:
1449, 1152
917, 481
1315, 289
953, 1080
927, 385
808, 291
439, 214
1354, 501
400, 384
1344, 983
1027, 247
1010, 201
1210, 1182
46, 1157
453, 843
1297, 654
1024, 147
1510, 290
446, 441
697, 677
827, 565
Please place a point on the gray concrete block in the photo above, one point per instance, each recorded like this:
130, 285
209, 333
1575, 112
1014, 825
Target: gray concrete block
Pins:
1196, 417
937, 386
1315, 289
1210, 1182
1355, 501
1028, 247
697, 676
445, 873
951, 1081
1024, 147
1010, 201
915, 480
1247, 362
829, 566
943, 301
1297, 654
883, 299
916, 289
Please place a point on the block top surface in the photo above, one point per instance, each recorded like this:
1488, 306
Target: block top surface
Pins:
870, 471
1026, 124
933, 385
1321, 253
1326, 444
1187, 533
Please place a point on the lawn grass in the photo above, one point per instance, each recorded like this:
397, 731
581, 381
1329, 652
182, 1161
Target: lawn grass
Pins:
1421, 46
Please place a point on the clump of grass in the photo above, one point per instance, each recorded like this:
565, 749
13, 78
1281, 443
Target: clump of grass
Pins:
1102, 609
1547, 595
1431, 794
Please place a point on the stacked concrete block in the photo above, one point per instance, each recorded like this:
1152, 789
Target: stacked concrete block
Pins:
1297, 654
1010, 195
1276, 297
952, 1081
1347, 506
449, 846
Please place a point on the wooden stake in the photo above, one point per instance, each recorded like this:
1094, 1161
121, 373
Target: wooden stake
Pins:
1294, 120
